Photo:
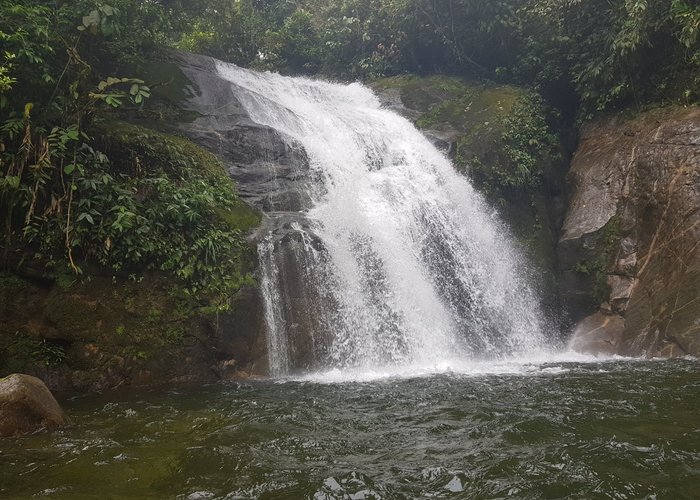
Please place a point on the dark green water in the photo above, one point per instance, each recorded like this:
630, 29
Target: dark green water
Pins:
616, 429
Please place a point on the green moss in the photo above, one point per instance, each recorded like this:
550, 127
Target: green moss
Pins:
423, 94
76, 317
118, 315
474, 108
139, 151
241, 217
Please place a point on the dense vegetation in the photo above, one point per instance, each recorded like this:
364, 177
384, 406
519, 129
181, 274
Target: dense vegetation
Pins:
66, 67
82, 191
89, 199
594, 53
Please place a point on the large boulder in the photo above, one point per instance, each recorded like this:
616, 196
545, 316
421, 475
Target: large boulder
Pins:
629, 246
26, 405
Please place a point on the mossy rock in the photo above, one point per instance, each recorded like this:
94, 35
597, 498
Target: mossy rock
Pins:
104, 330
140, 151
444, 100
501, 132
130, 321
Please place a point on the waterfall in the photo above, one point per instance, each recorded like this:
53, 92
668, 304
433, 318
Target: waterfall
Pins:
402, 261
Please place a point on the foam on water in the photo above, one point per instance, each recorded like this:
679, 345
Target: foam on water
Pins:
539, 363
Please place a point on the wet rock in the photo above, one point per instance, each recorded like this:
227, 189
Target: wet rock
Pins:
240, 340
269, 168
630, 237
295, 257
621, 288
27, 405
598, 334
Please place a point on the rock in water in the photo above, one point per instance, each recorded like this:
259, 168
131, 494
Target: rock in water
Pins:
26, 405
598, 334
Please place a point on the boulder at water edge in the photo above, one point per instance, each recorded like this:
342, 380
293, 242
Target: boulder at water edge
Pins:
27, 405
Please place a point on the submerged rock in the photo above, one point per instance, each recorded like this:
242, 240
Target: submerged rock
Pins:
630, 238
27, 405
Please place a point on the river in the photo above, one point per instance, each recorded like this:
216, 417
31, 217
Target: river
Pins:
568, 428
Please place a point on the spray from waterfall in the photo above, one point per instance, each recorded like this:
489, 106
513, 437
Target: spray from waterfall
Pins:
404, 263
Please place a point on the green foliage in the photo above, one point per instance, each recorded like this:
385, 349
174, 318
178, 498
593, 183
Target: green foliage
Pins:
295, 46
599, 53
163, 205
26, 55
519, 148
610, 54
529, 145
161, 211
109, 92
232, 31
103, 19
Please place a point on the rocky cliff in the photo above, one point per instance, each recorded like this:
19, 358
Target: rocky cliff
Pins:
630, 244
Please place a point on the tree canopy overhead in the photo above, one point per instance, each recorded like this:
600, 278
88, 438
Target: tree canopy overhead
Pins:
602, 53
599, 53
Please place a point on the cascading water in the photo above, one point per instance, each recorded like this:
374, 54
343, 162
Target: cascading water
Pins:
404, 263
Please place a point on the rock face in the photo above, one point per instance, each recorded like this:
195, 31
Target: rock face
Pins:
269, 169
271, 172
631, 239
26, 405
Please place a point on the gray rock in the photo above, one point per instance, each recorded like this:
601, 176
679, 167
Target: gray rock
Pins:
272, 173
26, 405
269, 168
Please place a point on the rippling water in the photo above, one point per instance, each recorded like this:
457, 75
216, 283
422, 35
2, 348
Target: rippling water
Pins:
613, 429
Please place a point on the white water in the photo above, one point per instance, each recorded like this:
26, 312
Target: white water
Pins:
534, 363
418, 267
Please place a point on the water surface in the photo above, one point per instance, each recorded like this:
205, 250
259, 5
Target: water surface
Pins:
611, 429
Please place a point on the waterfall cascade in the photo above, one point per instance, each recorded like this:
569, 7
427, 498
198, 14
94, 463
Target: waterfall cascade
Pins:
402, 260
